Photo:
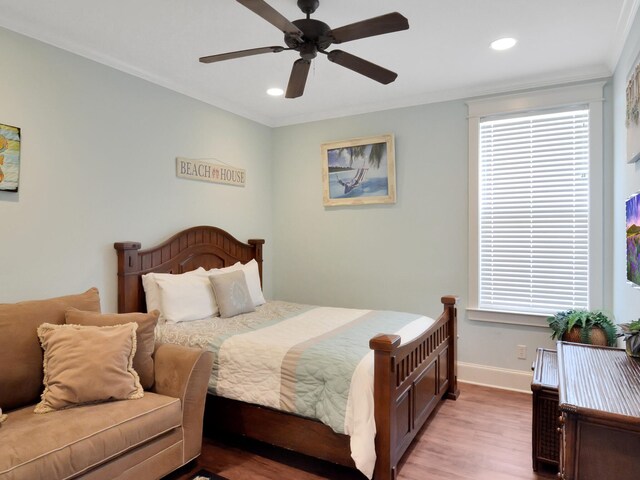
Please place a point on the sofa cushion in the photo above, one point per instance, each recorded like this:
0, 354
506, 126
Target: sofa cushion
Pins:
68, 442
87, 364
20, 352
145, 344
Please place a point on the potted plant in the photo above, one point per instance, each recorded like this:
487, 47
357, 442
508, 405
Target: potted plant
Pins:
631, 332
583, 326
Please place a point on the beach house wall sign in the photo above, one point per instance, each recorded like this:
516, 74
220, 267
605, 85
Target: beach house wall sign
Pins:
200, 169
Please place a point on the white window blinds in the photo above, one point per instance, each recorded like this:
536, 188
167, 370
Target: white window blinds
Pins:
534, 212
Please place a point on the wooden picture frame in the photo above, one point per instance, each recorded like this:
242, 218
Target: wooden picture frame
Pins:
360, 171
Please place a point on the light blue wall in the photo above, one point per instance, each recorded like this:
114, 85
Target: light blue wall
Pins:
626, 180
398, 257
382, 256
98, 166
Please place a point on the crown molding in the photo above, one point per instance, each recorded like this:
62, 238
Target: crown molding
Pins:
623, 29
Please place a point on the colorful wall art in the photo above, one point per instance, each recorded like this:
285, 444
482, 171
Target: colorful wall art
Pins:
9, 157
633, 239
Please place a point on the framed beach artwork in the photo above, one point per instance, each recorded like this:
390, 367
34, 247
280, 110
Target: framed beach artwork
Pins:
633, 114
360, 171
633, 240
9, 157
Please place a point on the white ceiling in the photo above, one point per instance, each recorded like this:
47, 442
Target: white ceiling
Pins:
444, 55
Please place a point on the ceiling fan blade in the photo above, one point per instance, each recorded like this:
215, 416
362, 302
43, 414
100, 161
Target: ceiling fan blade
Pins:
362, 66
272, 16
240, 53
298, 78
391, 22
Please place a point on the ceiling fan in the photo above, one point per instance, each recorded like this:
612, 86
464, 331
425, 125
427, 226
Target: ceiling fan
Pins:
310, 37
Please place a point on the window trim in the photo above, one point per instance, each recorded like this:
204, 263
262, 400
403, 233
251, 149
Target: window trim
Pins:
590, 95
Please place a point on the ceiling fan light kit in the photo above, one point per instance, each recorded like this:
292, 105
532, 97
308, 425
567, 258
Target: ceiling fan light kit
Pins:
309, 37
503, 43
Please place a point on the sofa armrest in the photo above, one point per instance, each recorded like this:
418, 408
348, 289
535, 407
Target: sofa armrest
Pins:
183, 373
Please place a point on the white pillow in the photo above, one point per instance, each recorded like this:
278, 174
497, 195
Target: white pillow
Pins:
152, 291
184, 297
218, 271
252, 276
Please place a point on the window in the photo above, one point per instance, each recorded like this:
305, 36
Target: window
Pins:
535, 205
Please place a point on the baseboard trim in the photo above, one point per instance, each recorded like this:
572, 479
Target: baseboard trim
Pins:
506, 379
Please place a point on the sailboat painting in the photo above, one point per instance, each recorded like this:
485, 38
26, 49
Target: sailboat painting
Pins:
359, 171
9, 157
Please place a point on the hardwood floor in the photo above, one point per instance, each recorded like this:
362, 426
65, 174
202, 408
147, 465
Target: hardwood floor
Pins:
484, 435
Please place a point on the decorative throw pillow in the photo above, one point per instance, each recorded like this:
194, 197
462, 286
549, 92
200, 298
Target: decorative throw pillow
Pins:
232, 293
152, 290
186, 297
87, 365
145, 336
252, 276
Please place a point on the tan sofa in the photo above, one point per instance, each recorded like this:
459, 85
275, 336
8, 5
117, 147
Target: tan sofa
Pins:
145, 438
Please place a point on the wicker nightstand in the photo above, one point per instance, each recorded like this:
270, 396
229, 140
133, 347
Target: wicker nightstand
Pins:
600, 408
546, 439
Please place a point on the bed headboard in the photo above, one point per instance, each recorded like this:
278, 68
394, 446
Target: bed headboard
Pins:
207, 247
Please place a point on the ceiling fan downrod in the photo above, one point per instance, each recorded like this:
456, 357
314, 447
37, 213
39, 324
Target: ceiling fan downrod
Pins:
308, 6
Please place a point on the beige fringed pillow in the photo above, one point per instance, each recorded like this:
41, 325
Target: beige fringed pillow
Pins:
145, 336
87, 364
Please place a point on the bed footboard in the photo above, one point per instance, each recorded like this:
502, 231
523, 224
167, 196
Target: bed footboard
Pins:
410, 380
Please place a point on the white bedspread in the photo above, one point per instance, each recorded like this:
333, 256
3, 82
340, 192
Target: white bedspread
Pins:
252, 351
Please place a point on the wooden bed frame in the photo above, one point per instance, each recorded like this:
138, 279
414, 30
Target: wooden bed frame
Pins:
409, 382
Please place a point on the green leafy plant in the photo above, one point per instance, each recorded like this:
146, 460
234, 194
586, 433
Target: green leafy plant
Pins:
565, 321
631, 328
631, 332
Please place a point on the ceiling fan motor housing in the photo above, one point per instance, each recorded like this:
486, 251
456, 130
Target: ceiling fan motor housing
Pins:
316, 36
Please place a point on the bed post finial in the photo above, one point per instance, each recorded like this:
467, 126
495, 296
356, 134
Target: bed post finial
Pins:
126, 255
128, 261
257, 245
449, 302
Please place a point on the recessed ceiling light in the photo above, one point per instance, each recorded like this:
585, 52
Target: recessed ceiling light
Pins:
275, 92
503, 43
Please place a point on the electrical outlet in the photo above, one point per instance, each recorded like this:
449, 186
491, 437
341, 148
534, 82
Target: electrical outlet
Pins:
522, 352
